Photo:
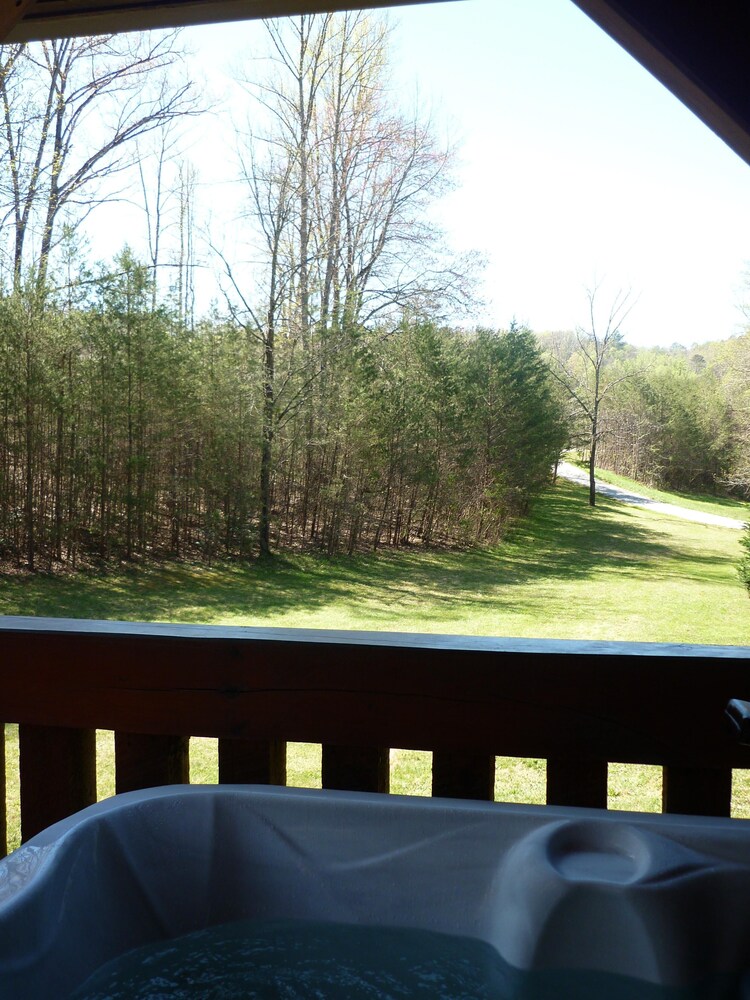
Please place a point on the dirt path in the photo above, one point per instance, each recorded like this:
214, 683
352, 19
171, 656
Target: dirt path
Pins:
576, 475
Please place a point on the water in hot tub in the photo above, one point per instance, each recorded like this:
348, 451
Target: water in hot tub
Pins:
302, 960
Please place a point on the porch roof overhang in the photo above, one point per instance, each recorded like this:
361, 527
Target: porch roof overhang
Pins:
697, 50
29, 20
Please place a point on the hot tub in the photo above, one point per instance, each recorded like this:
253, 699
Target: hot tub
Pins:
570, 902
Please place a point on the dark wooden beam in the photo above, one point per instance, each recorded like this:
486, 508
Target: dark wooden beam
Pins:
146, 761
577, 701
697, 791
463, 775
3, 825
58, 774
577, 783
53, 18
252, 762
355, 768
11, 13
698, 50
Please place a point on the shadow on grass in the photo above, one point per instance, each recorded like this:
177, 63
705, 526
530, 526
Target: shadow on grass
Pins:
563, 540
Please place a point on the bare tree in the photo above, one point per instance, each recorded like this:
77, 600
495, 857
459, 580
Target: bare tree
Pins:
152, 173
185, 284
71, 113
584, 373
339, 187
377, 172
271, 190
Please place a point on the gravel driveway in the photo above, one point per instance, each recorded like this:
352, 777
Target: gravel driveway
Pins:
576, 475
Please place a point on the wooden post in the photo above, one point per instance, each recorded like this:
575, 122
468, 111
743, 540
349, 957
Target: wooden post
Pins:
577, 782
463, 775
697, 791
143, 761
356, 769
252, 762
3, 820
58, 774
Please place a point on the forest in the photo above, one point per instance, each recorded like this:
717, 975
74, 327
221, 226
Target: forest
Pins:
676, 418
336, 397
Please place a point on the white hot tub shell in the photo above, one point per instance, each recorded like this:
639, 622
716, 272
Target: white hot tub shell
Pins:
658, 899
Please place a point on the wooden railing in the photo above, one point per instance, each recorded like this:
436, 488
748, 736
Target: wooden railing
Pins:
580, 705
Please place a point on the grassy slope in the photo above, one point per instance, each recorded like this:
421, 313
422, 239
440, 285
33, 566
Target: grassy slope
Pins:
613, 572
570, 572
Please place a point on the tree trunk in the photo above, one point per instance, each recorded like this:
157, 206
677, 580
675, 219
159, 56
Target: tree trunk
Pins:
266, 454
592, 467
29, 443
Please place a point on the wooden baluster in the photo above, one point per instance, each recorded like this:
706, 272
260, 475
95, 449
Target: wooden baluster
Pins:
463, 775
356, 769
252, 762
577, 782
145, 761
3, 821
697, 791
58, 774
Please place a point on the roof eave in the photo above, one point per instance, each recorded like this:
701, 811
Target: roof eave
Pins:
32, 22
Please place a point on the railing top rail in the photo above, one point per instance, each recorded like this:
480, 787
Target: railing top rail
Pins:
398, 640
637, 702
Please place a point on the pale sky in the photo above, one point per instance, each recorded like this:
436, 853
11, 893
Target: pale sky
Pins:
575, 166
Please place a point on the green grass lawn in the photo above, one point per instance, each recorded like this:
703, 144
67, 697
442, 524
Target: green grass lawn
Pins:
570, 571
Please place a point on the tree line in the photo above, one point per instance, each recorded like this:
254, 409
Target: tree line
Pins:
139, 436
676, 418
327, 401
333, 398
